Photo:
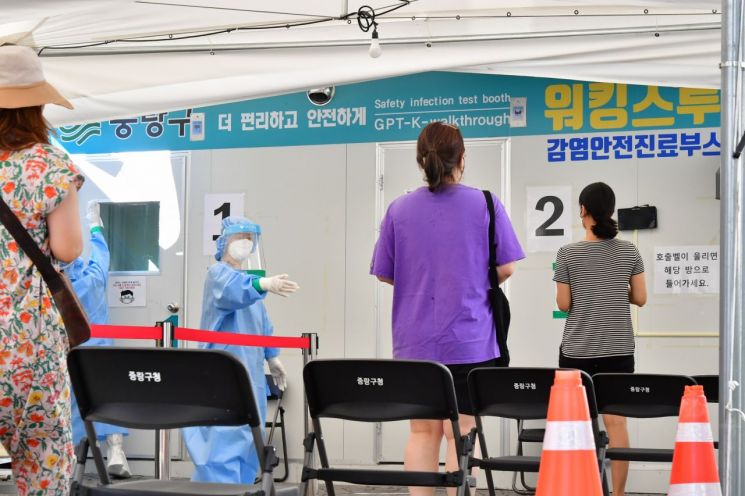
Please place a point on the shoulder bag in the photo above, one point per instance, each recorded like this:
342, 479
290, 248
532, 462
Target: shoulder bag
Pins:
76, 323
499, 304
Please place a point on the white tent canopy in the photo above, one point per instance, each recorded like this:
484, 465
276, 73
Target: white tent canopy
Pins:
661, 42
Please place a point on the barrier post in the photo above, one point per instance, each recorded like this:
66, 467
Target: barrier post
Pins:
163, 436
311, 353
308, 354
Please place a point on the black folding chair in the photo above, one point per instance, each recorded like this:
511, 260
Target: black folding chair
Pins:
640, 396
277, 423
711, 386
144, 388
381, 391
521, 394
711, 390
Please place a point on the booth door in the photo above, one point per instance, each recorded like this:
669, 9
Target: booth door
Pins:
486, 168
143, 216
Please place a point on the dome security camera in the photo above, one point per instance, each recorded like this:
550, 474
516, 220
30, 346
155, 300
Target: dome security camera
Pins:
321, 96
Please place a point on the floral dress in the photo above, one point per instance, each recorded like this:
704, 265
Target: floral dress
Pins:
34, 385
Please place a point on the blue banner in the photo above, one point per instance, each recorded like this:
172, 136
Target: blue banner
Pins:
397, 109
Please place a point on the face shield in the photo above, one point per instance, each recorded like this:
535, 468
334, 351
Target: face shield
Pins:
240, 245
245, 250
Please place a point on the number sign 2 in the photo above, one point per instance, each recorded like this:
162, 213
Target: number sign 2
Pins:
544, 229
549, 217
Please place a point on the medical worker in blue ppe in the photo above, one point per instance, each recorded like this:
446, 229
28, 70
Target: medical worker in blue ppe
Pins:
89, 281
233, 302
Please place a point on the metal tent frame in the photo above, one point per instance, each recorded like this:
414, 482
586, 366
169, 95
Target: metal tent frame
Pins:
732, 284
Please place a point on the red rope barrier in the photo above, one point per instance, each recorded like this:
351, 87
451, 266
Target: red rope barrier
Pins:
240, 339
136, 332
125, 332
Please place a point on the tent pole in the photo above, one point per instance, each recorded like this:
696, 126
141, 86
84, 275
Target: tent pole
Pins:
732, 284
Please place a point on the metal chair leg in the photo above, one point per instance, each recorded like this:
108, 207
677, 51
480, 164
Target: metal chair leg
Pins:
285, 459
526, 490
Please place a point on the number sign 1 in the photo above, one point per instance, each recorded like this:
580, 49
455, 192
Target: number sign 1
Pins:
549, 217
216, 208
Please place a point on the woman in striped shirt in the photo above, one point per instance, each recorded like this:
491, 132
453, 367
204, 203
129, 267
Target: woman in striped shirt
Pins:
596, 280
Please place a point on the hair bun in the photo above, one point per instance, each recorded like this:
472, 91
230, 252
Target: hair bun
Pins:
605, 228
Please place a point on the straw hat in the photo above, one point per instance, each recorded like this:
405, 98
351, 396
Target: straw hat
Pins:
22, 82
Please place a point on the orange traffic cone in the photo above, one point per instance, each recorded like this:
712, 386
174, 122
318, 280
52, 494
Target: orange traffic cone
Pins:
569, 464
694, 463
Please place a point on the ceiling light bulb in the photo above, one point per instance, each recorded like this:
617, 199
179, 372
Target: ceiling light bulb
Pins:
375, 49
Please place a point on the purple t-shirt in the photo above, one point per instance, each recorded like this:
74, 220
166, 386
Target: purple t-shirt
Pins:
434, 247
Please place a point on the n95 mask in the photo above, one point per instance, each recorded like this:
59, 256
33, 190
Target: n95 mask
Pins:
241, 249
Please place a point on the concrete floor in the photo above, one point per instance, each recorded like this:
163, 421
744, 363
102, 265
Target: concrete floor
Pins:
7, 487
348, 490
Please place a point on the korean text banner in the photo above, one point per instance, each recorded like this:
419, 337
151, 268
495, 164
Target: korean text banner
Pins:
396, 109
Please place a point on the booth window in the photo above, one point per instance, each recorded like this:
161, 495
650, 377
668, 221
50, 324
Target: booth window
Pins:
132, 232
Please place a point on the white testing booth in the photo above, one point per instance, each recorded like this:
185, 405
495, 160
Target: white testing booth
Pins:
320, 205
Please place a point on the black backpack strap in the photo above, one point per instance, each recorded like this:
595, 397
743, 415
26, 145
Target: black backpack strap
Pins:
497, 299
493, 279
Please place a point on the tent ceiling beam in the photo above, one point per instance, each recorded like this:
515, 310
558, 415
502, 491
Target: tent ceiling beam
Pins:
212, 47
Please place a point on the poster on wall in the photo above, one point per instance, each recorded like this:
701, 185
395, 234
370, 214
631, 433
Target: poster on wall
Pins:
216, 208
127, 291
686, 269
549, 217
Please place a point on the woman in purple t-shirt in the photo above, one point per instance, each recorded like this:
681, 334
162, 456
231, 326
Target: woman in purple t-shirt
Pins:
433, 248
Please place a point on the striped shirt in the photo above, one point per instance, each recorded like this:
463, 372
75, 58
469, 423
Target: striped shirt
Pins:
598, 274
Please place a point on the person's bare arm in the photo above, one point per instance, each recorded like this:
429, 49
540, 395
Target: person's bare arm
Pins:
638, 290
505, 271
563, 296
385, 280
65, 237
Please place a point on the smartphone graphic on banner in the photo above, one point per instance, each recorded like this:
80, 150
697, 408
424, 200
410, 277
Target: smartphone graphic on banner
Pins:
196, 127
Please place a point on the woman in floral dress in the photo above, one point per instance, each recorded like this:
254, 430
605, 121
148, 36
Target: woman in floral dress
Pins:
37, 181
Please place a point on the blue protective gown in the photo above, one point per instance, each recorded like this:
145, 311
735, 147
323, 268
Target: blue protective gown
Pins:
231, 303
89, 282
